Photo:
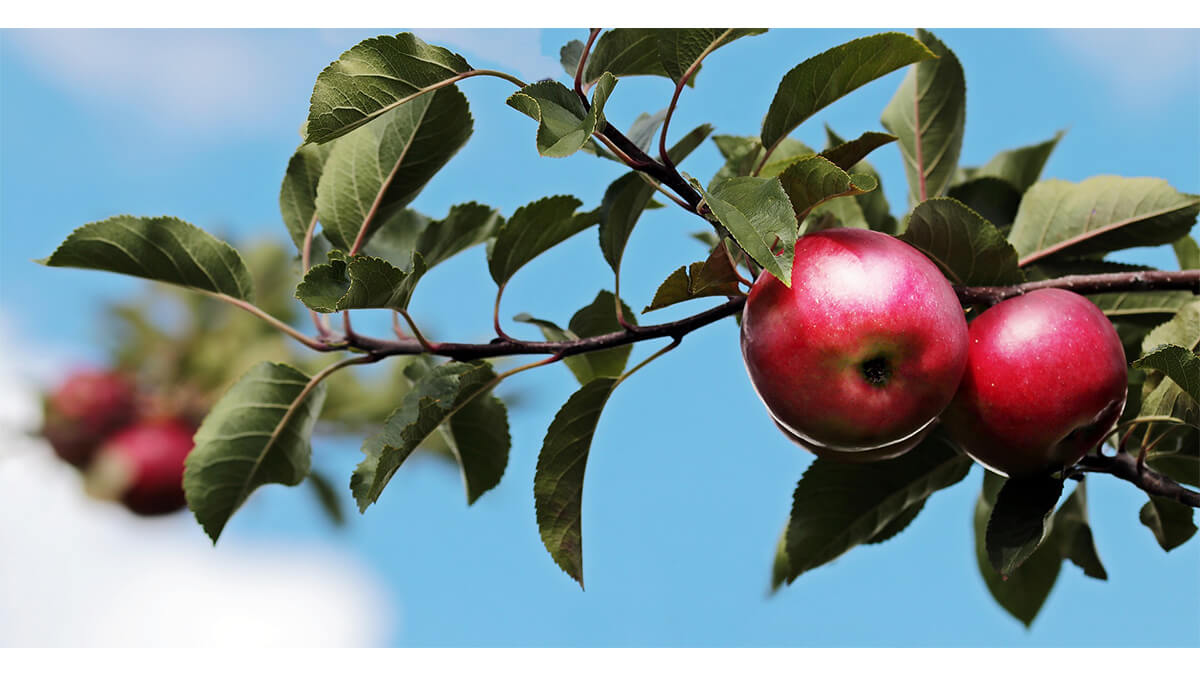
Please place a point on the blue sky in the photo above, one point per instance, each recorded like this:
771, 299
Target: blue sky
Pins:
688, 484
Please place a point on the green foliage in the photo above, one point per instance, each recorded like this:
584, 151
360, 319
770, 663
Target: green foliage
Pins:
382, 167
629, 195
298, 194
715, 276
534, 229
1098, 215
838, 506
373, 77
361, 282
598, 318
620, 51
758, 215
1170, 521
1177, 363
1017, 525
437, 395
812, 181
1019, 167
258, 433
558, 481
160, 249
848, 154
969, 250
928, 114
680, 48
828, 76
564, 124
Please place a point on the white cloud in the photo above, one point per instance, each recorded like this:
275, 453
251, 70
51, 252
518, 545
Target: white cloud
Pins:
1143, 66
77, 572
185, 80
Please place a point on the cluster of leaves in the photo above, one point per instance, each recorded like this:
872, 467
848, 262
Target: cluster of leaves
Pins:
387, 115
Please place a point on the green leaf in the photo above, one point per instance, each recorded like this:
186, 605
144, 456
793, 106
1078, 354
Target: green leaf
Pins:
629, 195
479, 438
1073, 534
743, 154
434, 398
846, 155
162, 249
844, 212
897, 524
598, 318
362, 283
327, 497
382, 167
1183, 329
812, 181
832, 74
1141, 305
969, 250
1187, 252
569, 55
680, 48
1025, 590
558, 480
465, 226
1170, 521
396, 239
715, 276
994, 199
534, 229
1018, 522
1020, 167
837, 506
372, 78
927, 114
756, 211
257, 433
1177, 363
781, 565
1101, 214
564, 124
624, 52
298, 194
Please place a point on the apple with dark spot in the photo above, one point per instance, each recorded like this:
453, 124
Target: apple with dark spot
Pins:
865, 349
1045, 383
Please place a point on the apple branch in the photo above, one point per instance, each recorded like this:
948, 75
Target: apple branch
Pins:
1188, 280
1125, 466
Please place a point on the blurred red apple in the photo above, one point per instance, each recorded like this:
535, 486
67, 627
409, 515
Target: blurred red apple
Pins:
142, 466
87, 407
1045, 383
863, 351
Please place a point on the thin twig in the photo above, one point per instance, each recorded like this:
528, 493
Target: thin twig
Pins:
1125, 466
579, 68
1188, 280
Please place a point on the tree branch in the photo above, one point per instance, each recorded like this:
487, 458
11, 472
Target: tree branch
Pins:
1125, 466
1188, 280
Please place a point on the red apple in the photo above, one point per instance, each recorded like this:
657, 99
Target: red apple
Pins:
142, 466
863, 351
87, 407
1045, 383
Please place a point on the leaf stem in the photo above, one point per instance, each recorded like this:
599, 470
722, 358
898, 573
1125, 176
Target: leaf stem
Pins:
279, 325
664, 156
319, 321
579, 68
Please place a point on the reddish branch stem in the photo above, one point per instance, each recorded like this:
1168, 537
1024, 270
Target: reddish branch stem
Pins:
1125, 466
1188, 280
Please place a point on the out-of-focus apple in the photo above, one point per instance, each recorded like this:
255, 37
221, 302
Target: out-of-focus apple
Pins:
86, 408
142, 466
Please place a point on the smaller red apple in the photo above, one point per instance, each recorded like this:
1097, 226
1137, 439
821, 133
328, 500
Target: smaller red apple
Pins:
86, 408
142, 466
1045, 383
